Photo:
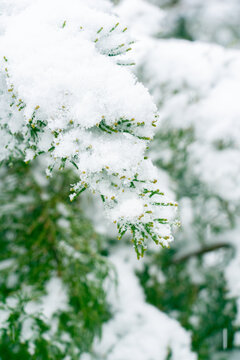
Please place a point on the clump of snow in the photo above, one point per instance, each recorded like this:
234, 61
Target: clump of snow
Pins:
56, 298
130, 207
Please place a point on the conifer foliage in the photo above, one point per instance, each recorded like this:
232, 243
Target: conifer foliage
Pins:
52, 301
64, 94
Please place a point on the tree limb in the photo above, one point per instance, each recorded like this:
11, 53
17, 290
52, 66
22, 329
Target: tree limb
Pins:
201, 252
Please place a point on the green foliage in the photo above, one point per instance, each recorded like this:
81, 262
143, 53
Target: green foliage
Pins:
45, 236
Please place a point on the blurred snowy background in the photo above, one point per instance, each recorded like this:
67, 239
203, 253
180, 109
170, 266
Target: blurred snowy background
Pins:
187, 55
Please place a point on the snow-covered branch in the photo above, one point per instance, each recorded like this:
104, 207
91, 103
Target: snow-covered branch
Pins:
65, 95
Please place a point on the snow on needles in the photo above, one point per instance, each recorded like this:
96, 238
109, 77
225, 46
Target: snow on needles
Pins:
66, 94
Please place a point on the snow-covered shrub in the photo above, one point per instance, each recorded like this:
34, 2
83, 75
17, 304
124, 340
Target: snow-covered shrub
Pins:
66, 91
196, 87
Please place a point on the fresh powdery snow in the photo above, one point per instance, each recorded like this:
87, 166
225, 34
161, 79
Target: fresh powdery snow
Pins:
67, 91
143, 17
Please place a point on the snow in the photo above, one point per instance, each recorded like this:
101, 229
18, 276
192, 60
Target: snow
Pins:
53, 67
143, 17
138, 330
130, 207
4, 314
6, 264
55, 300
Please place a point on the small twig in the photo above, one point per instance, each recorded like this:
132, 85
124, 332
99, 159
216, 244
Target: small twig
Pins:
201, 252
